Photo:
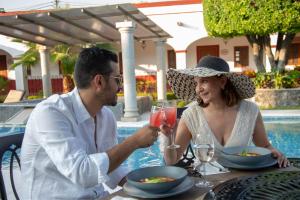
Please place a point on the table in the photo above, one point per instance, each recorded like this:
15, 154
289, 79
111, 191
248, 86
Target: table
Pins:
198, 193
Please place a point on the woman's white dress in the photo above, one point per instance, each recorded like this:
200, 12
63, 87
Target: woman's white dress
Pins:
242, 132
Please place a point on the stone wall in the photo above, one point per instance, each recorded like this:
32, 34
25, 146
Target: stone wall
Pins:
277, 97
144, 103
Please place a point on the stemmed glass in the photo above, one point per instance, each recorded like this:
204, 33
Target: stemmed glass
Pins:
204, 152
165, 112
169, 118
155, 120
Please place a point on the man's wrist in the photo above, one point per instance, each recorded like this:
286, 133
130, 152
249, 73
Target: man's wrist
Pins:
132, 142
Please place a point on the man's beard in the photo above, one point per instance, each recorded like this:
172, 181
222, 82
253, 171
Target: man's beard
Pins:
113, 102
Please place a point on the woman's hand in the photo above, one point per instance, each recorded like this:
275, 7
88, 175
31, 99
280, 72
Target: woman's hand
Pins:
282, 160
167, 130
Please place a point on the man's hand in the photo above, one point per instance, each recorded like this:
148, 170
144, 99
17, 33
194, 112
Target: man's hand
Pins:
146, 136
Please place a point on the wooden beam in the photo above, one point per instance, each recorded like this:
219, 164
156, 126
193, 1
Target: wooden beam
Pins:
136, 20
32, 33
50, 28
79, 26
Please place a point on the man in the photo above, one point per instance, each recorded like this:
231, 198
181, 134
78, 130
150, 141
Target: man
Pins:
70, 144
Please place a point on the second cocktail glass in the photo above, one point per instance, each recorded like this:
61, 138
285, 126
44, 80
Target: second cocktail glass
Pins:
169, 119
155, 120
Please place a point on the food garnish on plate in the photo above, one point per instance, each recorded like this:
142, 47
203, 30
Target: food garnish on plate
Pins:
158, 179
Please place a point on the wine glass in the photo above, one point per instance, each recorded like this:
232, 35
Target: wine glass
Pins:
156, 116
204, 152
169, 118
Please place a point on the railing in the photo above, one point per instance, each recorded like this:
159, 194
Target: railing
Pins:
35, 84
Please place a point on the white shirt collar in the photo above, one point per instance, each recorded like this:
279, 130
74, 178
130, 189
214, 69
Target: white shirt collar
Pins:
80, 110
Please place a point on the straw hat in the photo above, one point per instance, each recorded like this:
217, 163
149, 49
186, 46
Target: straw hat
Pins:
183, 84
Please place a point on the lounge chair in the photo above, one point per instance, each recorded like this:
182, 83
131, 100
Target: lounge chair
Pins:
14, 96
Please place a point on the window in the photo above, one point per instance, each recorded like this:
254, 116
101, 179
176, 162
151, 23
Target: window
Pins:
171, 59
241, 56
294, 54
3, 66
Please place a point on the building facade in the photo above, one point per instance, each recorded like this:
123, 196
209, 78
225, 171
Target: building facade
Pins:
183, 20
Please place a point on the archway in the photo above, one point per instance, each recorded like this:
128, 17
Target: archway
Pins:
6, 60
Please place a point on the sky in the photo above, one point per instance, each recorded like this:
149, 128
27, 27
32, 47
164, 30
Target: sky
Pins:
17, 5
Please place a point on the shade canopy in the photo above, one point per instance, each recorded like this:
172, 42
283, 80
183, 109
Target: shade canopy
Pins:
77, 25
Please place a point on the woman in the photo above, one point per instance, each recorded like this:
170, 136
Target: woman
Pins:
220, 110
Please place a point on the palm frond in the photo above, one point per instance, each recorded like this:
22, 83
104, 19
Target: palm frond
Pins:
29, 58
65, 56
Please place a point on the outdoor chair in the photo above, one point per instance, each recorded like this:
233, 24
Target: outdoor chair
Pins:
14, 96
189, 156
11, 144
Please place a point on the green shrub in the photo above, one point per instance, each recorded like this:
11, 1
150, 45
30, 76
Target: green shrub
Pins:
295, 76
120, 94
154, 95
263, 80
181, 104
3, 83
38, 95
277, 80
34, 97
2, 98
171, 96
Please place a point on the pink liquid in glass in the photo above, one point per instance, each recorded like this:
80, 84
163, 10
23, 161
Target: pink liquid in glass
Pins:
170, 116
156, 118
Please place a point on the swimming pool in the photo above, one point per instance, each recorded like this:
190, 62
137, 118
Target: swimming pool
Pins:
283, 133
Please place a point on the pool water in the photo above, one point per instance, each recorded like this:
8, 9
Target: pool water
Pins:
283, 133
7, 130
285, 136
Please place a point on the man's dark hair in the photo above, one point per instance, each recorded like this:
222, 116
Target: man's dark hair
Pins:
229, 94
92, 61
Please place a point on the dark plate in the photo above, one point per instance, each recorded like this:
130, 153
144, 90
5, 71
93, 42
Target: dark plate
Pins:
231, 154
187, 184
177, 173
266, 163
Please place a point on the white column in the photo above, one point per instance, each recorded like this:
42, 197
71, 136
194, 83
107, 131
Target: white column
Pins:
126, 29
161, 70
21, 79
180, 59
45, 63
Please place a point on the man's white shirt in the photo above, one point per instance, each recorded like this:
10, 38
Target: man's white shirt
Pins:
59, 158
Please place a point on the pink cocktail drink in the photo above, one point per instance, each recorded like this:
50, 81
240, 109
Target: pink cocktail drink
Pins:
170, 116
156, 118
